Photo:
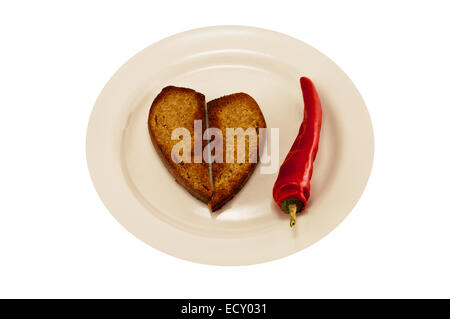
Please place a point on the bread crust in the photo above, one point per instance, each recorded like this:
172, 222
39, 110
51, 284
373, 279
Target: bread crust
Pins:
221, 114
200, 171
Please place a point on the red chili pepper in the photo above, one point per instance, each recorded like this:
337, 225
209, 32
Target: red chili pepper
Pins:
292, 187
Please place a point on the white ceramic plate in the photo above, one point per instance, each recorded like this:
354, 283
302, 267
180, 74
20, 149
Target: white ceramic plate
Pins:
146, 200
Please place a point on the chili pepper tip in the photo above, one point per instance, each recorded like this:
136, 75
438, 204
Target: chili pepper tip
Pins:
292, 213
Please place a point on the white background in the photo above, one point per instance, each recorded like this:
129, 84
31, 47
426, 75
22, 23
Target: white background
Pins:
58, 240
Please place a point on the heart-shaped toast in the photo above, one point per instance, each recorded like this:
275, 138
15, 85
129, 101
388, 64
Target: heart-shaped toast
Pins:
213, 182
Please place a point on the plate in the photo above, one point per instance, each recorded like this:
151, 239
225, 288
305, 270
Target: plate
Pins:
141, 194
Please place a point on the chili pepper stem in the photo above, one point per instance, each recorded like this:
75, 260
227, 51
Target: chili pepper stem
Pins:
292, 213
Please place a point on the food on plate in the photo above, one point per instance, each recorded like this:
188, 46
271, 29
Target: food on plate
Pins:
292, 187
173, 108
237, 110
217, 182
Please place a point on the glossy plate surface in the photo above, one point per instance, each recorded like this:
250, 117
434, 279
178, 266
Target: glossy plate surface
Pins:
139, 192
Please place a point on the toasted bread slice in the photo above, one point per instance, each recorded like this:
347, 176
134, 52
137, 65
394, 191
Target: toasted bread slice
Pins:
237, 110
177, 107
